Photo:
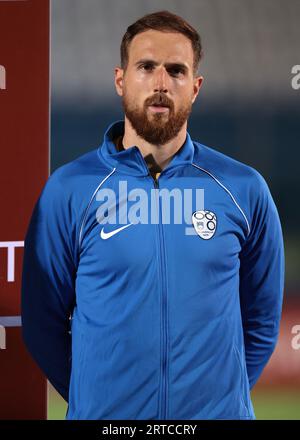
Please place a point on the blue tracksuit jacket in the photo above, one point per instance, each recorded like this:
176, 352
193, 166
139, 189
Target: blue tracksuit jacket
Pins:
149, 321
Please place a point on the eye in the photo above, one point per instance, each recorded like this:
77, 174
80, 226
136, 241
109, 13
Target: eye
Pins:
147, 67
175, 71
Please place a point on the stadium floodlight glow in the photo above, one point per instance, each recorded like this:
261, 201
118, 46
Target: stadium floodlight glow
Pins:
11, 245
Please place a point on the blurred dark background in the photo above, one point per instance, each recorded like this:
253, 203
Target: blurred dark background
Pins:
247, 107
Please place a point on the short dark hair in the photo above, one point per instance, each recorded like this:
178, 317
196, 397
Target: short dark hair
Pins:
164, 21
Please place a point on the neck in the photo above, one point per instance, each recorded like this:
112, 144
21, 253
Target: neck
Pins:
160, 154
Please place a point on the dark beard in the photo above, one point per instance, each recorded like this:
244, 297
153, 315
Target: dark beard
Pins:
161, 128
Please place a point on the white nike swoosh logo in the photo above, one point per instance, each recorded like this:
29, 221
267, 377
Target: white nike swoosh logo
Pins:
106, 235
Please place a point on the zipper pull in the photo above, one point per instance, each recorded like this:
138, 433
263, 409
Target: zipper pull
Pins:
155, 181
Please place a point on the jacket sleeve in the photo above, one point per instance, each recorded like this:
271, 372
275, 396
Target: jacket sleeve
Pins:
48, 292
261, 280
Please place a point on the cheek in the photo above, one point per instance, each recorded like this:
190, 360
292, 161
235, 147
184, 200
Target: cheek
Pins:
136, 87
133, 96
184, 93
136, 80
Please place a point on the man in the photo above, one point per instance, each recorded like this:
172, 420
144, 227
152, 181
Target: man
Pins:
169, 319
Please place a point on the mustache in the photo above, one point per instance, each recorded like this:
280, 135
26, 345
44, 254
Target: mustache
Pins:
162, 100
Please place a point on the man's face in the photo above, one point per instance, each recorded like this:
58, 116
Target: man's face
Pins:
158, 87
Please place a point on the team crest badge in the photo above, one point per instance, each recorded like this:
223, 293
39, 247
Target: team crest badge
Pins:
205, 223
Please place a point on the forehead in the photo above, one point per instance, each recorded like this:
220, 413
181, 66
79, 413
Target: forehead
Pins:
161, 46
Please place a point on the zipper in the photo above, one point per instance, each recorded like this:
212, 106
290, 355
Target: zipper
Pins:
163, 406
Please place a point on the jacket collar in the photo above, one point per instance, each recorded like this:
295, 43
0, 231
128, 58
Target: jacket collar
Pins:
131, 161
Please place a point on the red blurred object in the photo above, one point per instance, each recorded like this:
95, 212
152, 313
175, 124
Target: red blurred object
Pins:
24, 168
283, 368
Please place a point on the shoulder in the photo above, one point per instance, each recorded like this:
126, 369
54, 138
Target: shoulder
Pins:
243, 182
77, 171
80, 176
224, 166
69, 189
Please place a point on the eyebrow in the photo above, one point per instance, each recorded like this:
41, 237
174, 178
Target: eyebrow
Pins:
168, 65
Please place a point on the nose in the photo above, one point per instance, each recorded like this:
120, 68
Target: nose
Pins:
160, 80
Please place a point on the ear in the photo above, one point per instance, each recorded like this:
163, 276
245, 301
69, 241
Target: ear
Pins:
119, 73
198, 81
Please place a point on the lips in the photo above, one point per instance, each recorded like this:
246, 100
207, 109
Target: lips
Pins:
159, 105
158, 108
